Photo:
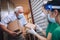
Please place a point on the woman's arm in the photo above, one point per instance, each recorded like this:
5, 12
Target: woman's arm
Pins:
43, 38
44, 33
40, 37
40, 29
31, 31
49, 36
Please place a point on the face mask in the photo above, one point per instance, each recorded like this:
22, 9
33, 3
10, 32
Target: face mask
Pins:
51, 19
20, 16
22, 19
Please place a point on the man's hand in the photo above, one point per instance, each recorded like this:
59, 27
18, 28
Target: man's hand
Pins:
13, 34
4, 28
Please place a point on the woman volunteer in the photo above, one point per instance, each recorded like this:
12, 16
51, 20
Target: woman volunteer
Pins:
53, 29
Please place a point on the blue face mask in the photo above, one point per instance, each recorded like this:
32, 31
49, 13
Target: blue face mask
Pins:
22, 19
51, 19
20, 16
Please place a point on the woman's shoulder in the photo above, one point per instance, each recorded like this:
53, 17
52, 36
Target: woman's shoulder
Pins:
57, 30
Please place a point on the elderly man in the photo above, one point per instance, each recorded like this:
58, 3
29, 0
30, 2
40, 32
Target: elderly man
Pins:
10, 18
18, 14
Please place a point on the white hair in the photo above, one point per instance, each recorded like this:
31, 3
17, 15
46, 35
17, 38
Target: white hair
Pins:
18, 8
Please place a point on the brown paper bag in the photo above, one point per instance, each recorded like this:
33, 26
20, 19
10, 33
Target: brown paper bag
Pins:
14, 26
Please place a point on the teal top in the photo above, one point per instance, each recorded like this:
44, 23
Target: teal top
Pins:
56, 34
51, 27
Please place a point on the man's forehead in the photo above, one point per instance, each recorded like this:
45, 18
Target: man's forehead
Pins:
19, 7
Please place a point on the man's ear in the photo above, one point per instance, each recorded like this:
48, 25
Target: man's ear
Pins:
55, 12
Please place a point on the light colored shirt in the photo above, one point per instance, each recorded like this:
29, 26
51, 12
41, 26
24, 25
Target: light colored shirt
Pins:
23, 20
10, 18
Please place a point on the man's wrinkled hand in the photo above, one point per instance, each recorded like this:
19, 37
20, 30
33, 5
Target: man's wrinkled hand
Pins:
13, 34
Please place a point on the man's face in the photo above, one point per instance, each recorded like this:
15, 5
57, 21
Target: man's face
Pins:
20, 11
